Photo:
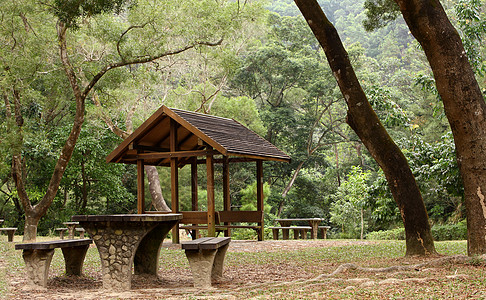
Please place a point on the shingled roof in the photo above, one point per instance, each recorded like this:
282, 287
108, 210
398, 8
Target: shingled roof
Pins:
195, 132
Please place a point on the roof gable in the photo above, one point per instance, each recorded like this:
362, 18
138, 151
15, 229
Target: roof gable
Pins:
195, 130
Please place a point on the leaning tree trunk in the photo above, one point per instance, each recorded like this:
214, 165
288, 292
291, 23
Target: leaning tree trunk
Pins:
463, 104
153, 179
364, 121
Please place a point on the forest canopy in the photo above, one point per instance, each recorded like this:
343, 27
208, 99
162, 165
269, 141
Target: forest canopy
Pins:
258, 63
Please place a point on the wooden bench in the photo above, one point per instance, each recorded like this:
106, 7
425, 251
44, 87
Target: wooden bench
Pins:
225, 220
231, 218
323, 230
38, 256
302, 230
10, 233
206, 258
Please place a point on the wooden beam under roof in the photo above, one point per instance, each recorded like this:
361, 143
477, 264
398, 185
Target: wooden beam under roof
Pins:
160, 155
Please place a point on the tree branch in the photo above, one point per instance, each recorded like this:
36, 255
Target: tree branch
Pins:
105, 69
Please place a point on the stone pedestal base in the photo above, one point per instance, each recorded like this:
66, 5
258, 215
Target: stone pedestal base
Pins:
74, 259
123, 245
206, 265
37, 264
38, 261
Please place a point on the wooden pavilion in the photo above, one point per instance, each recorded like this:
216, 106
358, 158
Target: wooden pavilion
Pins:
175, 138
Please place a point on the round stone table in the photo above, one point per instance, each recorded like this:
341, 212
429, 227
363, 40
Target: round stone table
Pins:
128, 240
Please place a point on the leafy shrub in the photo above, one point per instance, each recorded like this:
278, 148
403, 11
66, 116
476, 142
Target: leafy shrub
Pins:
450, 232
447, 232
393, 234
250, 234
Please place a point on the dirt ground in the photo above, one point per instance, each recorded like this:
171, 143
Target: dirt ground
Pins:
239, 278
174, 283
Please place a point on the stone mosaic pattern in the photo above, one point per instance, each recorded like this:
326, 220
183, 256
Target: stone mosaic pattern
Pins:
120, 244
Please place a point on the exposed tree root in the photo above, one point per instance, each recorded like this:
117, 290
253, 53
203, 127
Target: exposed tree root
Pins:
458, 259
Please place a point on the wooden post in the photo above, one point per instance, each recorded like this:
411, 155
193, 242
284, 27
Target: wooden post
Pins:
140, 187
260, 195
194, 199
174, 178
210, 191
226, 191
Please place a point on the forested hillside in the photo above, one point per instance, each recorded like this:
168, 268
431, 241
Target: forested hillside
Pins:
258, 63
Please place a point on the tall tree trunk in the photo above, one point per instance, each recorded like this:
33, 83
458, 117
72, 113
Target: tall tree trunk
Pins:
153, 179
30, 228
463, 104
364, 121
34, 213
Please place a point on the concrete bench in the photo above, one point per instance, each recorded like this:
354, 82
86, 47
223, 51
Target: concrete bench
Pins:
219, 228
38, 256
298, 230
323, 230
10, 233
81, 232
206, 258
61, 232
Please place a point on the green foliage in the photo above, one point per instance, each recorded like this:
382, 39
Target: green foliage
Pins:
380, 13
311, 195
384, 210
249, 197
446, 232
387, 109
435, 168
450, 232
472, 25
69, 11
391, 234
350, 202
269, 73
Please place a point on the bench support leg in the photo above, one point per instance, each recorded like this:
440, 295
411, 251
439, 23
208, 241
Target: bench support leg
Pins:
74, 259
201, 263
324, 233
10, 235
146, 259
260, 231
296, 234
275, 233
285, 234
217, 272
37, 264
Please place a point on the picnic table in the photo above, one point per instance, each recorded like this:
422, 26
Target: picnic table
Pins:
127, 240
313, 222
71, 226
10, 231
